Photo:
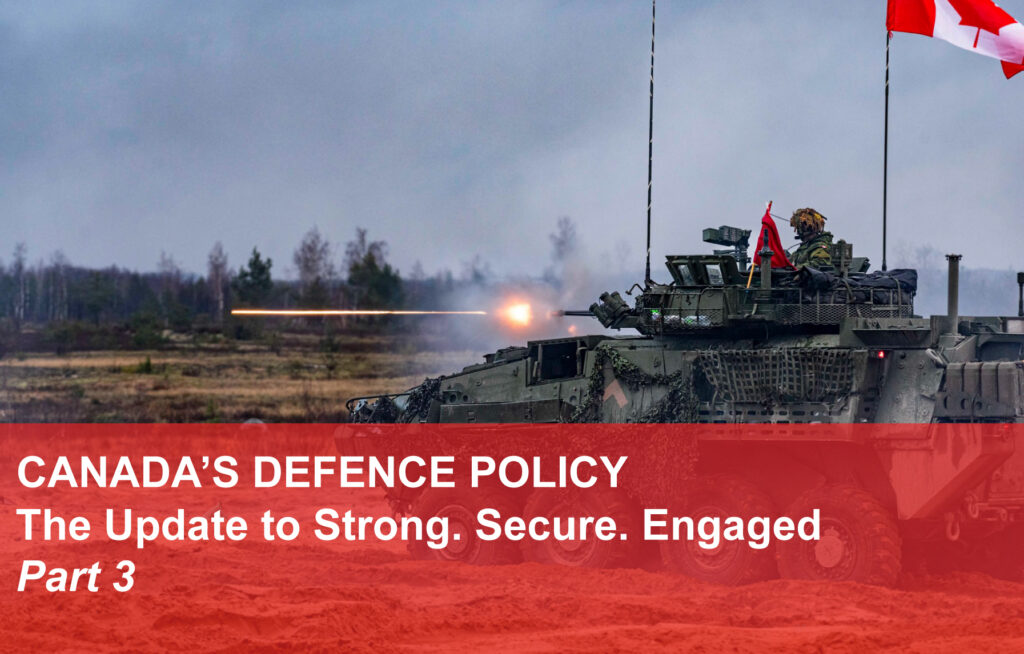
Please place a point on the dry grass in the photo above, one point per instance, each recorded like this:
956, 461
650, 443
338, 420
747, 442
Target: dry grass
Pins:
294, 381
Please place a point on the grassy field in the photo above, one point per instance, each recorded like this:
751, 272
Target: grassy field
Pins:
291, 377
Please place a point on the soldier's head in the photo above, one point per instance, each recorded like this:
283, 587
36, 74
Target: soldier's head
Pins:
807, 223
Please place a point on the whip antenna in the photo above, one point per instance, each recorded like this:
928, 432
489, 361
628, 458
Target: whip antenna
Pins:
885, 155
650, 153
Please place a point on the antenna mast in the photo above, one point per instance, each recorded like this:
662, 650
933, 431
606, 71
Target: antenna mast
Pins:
650, 153
885, 155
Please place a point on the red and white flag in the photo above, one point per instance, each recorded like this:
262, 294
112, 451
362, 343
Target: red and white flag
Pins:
977, 25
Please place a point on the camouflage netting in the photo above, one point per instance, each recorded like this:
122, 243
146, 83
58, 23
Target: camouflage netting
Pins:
773, 376
381, 410
668, 457
659, 465
680, 403
418, 405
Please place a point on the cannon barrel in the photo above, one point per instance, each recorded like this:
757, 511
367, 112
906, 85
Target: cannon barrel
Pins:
568, 312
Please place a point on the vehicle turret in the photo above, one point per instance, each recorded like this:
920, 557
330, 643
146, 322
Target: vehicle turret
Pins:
709, 293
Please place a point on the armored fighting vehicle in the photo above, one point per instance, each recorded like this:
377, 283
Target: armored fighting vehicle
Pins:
897, 427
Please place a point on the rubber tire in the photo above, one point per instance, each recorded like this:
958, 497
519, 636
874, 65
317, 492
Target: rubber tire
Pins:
731, 496
467, 502
871, 529
578, 503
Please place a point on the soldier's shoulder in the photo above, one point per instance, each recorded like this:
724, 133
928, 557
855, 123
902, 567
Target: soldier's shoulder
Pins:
822, 241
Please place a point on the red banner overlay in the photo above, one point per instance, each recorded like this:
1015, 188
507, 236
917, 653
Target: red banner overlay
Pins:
510, 536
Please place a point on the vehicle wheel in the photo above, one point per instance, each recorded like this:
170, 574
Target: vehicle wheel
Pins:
460, 507
859, 539
591, 552
731, 563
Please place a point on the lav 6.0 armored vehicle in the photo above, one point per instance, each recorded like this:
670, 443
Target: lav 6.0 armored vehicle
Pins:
897, 427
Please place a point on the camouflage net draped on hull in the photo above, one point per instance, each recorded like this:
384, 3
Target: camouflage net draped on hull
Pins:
775, 376
417, 405
668, 458
381, 410
659, 466
679, 404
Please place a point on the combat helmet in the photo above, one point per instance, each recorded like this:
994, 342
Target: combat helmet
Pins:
807, 221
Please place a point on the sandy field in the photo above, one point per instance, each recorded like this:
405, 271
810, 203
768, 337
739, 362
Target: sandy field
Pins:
309, 595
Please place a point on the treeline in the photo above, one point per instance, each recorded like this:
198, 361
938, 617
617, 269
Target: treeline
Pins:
75, 307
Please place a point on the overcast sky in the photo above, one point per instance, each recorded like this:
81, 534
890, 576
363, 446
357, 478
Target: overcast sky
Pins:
456, 129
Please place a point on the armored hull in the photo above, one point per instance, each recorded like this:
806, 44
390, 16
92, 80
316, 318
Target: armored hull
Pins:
838, 352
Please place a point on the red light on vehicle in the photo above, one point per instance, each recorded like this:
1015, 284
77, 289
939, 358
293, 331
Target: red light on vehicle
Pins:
881, 354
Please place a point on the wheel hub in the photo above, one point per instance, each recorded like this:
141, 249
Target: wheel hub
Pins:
718, 557
460, 532
574, 551
829, 551
835, 554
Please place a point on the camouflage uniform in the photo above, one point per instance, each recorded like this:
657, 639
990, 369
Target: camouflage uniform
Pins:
814, 252
815, 247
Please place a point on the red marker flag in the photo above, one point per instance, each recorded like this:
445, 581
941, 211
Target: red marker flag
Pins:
977, 25
779, 258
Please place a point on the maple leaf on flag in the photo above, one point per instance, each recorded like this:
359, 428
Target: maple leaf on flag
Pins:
986, 16
954, 21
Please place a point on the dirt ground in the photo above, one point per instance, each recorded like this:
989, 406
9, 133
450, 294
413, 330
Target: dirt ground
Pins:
314, 596
292, 378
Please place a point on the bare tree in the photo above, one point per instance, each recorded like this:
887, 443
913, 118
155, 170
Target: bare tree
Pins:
316, 271
418, 274
170, 283
170, 273
476, 271
417, 281
217, 276
372, 281
358, 250
312, 258
59, 286
18, 272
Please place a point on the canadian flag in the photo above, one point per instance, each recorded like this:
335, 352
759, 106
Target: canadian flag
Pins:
977, 25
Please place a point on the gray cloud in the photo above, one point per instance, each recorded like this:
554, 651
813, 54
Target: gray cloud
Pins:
452, 129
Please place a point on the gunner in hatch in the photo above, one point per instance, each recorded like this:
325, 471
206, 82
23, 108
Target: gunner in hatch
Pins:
815, 243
